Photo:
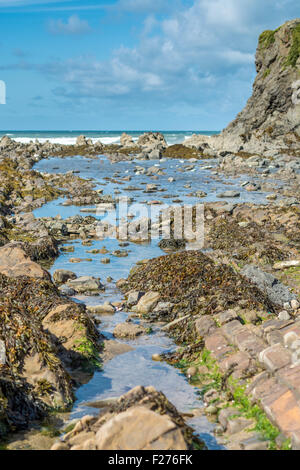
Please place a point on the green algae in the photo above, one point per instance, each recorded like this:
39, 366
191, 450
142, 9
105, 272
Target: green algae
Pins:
294, 52
267, 38
181, 151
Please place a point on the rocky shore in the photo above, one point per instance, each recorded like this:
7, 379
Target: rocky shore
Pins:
232, 308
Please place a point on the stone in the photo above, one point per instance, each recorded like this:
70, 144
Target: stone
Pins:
225, 414
226, 317
133, 298
65, 290
101, 309
239, 362
192, 371
277, 292
205, 326
254, 443
175, 322
128, 330
275, 357
81, 141
295, 304
140, 429
61, 276
85, 284
14, 262
238, 424
148, 302
229, 194
126, 140
284, 315
218, 346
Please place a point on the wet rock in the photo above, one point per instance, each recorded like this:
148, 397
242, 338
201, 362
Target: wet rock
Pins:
133, 298
61, 276
229, 194
86, 284
65, 290
101, 309
128, 330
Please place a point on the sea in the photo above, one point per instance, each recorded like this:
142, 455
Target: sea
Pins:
105, 137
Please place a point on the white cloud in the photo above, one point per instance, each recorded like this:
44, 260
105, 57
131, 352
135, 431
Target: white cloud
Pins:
73, 26
199, 56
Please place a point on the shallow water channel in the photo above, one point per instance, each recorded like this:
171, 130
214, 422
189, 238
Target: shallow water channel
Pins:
136, 367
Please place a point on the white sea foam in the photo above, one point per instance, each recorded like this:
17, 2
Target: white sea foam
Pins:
171, 139
69, 140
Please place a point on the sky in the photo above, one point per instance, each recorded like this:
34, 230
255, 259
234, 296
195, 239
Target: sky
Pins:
130, 64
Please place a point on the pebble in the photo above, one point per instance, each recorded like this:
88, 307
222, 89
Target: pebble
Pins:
284, 315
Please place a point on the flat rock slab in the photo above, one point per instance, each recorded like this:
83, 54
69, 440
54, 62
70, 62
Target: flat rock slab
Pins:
274, 358
278, 293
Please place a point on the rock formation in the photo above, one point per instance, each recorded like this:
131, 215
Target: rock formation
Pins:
271, 117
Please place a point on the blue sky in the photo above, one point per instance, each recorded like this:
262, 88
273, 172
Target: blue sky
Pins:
130, 64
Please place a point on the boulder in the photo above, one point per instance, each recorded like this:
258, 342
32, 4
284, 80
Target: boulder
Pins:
81, 141
128, 330
142, 419
61, 276
148, 302
100, 309
86, 284
152, 139
14, 262
278, 293
140, 429
126, 140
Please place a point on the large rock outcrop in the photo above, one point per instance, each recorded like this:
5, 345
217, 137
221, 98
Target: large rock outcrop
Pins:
142, 419
271, 117
48, 344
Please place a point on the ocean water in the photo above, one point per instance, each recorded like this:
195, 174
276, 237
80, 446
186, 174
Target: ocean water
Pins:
106, 137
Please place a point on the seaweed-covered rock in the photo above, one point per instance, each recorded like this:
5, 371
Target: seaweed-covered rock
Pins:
46, 339
196, 284
142, 419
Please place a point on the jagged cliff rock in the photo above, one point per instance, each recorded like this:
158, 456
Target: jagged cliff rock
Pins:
271, 117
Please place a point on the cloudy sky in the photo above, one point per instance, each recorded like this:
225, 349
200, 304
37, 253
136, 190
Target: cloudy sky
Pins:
130, 64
